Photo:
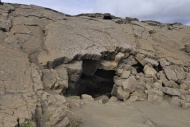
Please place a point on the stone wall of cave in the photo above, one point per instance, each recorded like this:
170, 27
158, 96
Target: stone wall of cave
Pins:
127, 75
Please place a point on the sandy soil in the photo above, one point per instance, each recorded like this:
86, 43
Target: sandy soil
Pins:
130, 114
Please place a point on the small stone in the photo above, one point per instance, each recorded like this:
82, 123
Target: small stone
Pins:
171, 91
114, 90
157, 86
149, 71
163, 62
118, 81
170, 84
87, 97
133, 71
113, 99
103, 99
140, 59
149, 81
127, 67
185, 105
121, 94
155, 95
125, 74
134, 96
130, 60
151, 61
126, 55
161, 76
149, 123
119, 71
174, 72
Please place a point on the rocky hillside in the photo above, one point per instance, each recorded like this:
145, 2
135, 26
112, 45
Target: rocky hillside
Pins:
46, 55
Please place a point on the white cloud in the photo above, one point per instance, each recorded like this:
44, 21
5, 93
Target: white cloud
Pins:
161, 10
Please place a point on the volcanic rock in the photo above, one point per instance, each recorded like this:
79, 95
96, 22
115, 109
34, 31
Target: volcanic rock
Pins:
47, 55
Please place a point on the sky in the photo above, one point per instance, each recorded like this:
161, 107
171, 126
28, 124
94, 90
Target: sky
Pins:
166, 11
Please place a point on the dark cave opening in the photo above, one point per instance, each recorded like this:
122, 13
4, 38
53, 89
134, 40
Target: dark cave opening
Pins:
101, 83
158, 68
92, 81
139, 67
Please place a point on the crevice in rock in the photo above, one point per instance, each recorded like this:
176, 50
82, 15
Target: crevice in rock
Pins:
158, 68
18, 123
139, 67
3, 29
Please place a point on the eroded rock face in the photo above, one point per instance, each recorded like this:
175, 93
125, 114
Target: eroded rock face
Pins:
46, 54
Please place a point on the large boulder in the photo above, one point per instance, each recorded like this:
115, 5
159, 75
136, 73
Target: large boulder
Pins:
174, 72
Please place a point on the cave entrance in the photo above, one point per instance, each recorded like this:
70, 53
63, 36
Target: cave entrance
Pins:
93, 81
101, 83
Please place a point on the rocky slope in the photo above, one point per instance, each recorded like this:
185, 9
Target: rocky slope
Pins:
46, 55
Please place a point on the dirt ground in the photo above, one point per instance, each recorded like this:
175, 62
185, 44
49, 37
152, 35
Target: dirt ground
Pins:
130, 114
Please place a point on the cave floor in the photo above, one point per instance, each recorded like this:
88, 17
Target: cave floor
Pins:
130, 114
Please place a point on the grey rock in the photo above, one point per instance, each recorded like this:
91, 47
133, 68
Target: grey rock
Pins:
102, 99
149, 71
174, 72
170, 84
74, 70
122, 94
113, 99
87, 97
130, 84
118, 81
163, 62
171, 91
130, 60
151, 61
125, 74
155, 95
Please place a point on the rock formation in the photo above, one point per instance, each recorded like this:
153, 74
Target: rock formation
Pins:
46, 55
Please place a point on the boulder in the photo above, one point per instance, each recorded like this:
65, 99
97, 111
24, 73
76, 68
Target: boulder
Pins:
171, 91
155, 95
157, 86
122, 94
174, 72
113, 99
163, 62
102, 99
149, 71
130, 60
54, 81
134, 96
87, 97
130, 84
170, 84
125, 74
111, 65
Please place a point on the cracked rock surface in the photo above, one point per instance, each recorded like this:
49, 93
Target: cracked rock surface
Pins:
47, 57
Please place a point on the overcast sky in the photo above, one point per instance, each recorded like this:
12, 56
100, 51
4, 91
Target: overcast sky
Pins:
161, 10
